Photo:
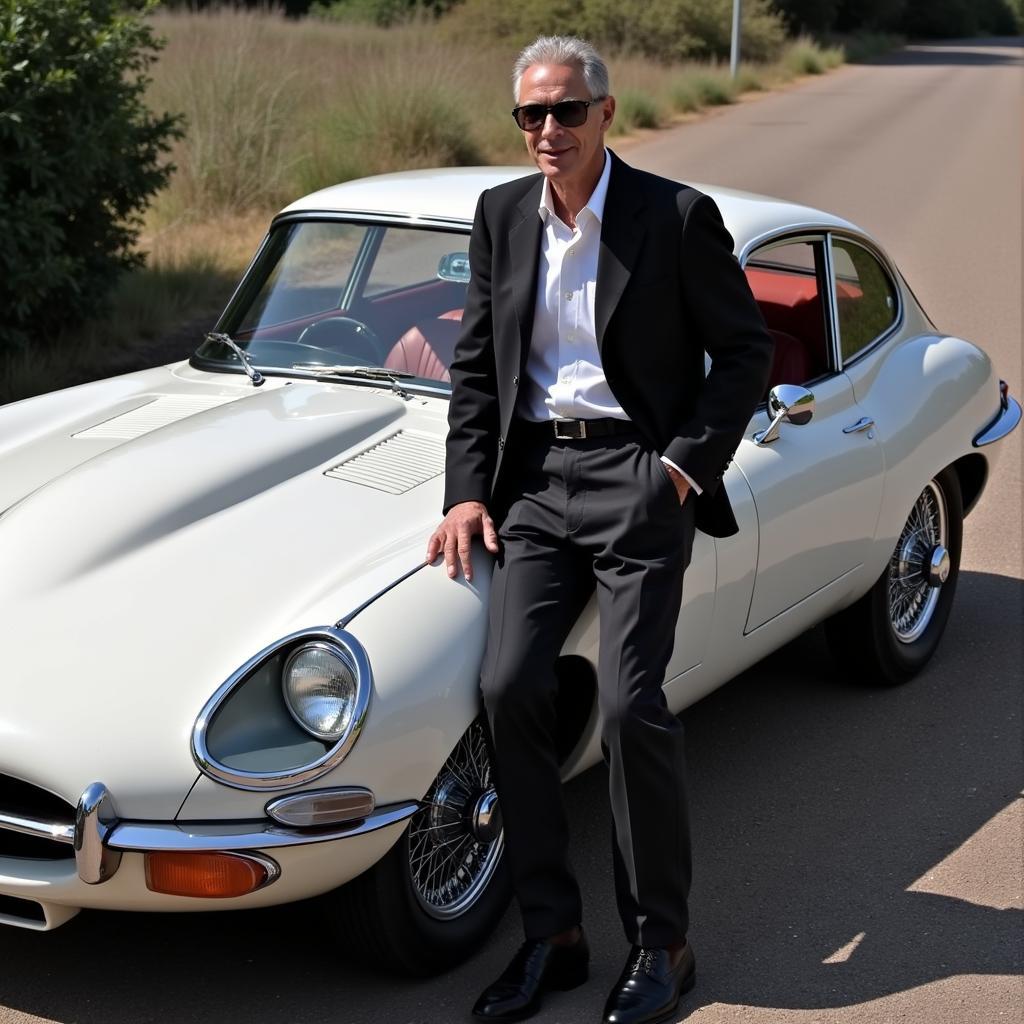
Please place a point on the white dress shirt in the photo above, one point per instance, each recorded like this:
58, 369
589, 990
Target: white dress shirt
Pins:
563, 376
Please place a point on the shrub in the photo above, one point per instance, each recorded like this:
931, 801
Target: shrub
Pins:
373, 12
683, 95
714, 89
804, 58
748, 79
865, 46
391, 121
634, 109
81, 156
377, 12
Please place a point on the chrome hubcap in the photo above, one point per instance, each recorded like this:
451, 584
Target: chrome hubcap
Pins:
938, 569
487, 817
919, 566
456, 840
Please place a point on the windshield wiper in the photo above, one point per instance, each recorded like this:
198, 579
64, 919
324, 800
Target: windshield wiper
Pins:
372, 372
365, 372
225, 339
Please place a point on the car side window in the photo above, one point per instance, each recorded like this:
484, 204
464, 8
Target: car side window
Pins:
865, 297
406, 258
788, 279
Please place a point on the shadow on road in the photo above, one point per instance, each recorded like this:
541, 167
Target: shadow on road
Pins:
954, 51
818, 805
815, 806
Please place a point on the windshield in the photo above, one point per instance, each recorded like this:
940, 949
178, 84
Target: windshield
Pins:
332, 293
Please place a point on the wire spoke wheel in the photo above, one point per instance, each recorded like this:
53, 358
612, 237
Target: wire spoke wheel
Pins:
435, 896
918, 565
891, 632
456, 839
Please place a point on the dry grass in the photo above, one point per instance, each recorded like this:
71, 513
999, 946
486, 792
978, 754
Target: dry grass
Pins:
277, 108
805, 57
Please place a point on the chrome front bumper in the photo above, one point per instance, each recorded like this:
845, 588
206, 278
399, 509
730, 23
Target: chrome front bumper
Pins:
99, 837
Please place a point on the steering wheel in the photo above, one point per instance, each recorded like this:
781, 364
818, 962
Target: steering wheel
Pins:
346, 337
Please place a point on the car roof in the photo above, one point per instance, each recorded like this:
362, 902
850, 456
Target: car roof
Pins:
450, 194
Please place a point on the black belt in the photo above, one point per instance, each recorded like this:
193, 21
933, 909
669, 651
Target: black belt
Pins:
577, 430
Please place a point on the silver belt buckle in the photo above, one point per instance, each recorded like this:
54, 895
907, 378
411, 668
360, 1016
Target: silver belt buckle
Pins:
580, 430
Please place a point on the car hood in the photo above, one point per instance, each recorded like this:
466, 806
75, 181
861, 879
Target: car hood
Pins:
154, 560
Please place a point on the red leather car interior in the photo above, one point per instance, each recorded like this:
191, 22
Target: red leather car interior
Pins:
426, 349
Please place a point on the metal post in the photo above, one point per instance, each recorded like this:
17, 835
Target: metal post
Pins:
734, 49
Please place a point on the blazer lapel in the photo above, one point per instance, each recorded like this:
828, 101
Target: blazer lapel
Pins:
622, 232
524, 250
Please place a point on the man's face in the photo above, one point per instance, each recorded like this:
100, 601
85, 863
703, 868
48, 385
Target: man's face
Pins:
565, 155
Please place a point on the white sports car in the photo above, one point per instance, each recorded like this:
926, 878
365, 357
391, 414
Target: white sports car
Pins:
230, 680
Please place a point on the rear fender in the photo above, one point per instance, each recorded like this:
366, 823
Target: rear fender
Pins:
929, 396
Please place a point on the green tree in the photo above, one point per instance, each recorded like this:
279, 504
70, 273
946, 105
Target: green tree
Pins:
809, 15
924, 18
874, 15
80, 156
931, 18
378, 12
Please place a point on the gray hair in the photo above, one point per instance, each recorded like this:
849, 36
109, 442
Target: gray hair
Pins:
569, 50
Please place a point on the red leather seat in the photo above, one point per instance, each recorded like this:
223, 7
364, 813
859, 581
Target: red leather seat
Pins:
427, 348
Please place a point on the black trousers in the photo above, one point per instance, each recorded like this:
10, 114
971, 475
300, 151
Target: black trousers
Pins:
583, 513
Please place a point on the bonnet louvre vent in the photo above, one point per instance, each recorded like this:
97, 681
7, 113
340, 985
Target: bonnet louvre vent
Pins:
396, 464
160, 412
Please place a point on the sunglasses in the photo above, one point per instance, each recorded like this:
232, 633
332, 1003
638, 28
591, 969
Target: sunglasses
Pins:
568, 113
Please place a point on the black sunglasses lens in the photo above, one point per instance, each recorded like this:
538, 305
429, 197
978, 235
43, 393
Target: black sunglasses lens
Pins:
568, 113
530, 117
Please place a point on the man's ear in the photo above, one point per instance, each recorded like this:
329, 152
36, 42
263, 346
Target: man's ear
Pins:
607, 113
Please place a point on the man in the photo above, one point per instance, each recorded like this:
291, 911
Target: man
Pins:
585, 444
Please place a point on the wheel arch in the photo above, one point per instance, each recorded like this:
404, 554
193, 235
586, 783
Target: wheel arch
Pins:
972, 472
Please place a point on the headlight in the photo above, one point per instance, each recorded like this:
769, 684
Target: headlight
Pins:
289, 715
320, 690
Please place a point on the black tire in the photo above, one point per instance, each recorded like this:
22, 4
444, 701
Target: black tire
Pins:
889, 635
380, 917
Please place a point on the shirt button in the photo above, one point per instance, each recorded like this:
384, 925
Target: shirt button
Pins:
568, 295
515, 382
501, 442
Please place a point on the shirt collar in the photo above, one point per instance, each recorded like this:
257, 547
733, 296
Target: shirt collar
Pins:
595, 204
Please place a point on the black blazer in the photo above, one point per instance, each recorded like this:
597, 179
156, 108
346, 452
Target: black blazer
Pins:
668, 288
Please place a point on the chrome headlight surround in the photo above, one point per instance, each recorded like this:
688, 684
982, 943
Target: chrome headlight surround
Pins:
344, 646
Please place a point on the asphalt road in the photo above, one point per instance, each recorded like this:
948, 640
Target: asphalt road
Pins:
858, 853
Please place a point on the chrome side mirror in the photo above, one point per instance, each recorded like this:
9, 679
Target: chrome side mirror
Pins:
786, 402
454, 267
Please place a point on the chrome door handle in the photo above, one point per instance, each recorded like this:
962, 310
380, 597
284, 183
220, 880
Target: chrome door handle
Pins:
864, 423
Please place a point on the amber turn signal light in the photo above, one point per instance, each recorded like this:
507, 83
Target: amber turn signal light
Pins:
207, 875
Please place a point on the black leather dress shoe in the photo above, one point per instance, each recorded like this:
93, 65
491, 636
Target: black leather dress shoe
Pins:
650, 987
538, 966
